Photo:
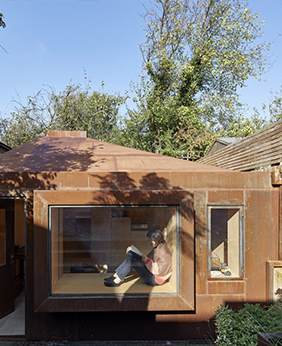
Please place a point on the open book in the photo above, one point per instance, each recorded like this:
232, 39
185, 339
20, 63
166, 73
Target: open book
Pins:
134, 251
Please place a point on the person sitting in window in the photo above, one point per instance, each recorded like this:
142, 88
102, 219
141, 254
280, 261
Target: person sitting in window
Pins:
155, 268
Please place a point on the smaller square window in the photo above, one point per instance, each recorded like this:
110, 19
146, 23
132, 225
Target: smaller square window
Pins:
225, 242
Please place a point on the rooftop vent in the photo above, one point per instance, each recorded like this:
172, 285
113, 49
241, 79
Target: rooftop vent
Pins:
67, 134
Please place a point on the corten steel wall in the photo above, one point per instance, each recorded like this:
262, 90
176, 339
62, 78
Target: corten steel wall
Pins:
252, 190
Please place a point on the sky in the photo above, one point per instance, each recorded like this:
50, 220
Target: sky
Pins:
52, 43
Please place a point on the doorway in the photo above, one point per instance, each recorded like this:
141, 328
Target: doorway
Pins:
12, 266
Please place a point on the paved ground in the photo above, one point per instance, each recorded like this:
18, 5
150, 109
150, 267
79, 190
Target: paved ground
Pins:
107, 343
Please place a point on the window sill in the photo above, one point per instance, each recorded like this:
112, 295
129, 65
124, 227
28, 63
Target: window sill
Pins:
77, 284
145, 302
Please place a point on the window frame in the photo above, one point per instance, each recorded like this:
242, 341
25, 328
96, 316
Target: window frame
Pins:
241, 210
3, 234
110, 206
183, 300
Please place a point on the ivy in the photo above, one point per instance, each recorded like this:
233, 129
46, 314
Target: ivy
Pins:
197, 54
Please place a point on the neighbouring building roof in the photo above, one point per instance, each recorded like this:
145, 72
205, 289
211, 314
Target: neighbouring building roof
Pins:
4, 148
221, 142
261, 149
73, 151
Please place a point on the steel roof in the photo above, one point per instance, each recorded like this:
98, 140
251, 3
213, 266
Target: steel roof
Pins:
70, 151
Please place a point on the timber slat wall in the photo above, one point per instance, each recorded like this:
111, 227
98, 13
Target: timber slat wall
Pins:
261, 149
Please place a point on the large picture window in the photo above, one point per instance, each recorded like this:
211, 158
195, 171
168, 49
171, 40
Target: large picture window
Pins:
82, 236
225, 242
87, 243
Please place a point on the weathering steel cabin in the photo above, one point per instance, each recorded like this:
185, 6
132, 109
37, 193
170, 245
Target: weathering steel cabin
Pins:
70, 206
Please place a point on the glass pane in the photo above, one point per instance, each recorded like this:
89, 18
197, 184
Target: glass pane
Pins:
2, 236
88, 243
225, 243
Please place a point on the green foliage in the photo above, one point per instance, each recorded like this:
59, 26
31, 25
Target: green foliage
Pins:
272, 112
73, 109
196, 55
242, 126
275, 106
94, 112
240, 328
25, 123
208, 46
165, 126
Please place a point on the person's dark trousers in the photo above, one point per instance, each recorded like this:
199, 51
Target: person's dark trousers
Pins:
133, 263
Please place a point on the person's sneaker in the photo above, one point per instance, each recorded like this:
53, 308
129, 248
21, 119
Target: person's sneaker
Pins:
111, 283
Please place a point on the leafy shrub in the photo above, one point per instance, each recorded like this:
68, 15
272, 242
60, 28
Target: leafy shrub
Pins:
239, 328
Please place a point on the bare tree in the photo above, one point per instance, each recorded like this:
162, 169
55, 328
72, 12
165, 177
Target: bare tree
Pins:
3, 25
